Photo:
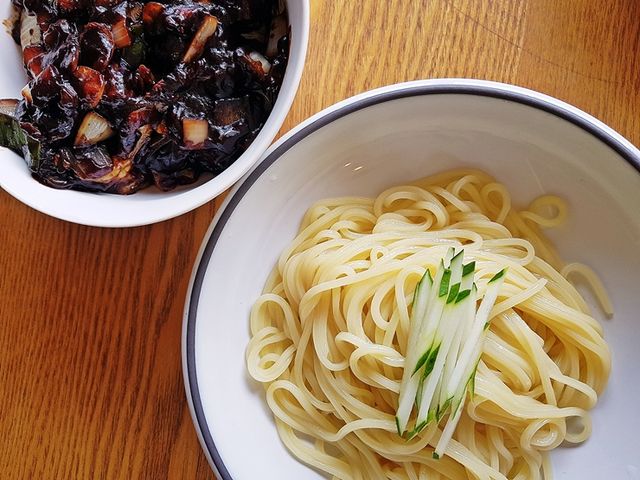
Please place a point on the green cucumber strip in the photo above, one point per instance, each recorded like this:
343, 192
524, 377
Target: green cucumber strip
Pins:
428, 358
426, 280
468, 268
421, 361
431, 322
456, 267
409, 386
467, 276
444, 283
456, 390
472, 381
462, 315
419, 307
447, 258
469, 373
434, 311
418, 428
470, 310
445, 335
431, 417
453, 293
435, 402
447, 432
430, 362
462, 295
498, 275
408, 391
459, 254
443, 408
473, 339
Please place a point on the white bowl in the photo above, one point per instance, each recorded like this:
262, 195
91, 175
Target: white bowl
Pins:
150, 205
530, 142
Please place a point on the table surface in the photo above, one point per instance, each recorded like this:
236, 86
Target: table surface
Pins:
90, 319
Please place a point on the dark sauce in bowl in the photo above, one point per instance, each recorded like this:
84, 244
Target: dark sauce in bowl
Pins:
126, 94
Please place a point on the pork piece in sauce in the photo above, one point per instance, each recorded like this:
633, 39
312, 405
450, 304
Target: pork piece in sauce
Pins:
125, 94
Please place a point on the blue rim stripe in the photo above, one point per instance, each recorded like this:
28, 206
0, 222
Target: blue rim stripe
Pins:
192, 381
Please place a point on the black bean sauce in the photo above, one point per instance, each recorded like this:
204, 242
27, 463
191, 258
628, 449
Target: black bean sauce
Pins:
126, 94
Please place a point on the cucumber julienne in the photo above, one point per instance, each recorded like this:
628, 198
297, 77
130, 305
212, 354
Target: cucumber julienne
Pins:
444, 346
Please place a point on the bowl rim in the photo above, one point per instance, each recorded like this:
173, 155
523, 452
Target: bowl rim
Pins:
152, 206
456, 86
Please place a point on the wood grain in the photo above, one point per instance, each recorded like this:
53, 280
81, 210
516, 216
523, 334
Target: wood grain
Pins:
90, 319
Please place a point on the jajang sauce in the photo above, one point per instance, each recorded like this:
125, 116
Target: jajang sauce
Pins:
126, 94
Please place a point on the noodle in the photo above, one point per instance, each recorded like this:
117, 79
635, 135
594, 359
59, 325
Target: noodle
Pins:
329, 335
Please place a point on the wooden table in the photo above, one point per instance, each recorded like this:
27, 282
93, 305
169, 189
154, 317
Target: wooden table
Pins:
90, 319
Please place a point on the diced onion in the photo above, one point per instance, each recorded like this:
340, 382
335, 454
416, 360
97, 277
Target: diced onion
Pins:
195, 132
259, 58
93, 129
204, 33
30, 33
26, 94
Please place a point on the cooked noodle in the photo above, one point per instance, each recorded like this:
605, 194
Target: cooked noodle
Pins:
330, 333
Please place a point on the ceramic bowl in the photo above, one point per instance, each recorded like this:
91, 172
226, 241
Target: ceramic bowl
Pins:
149, 205
532, 143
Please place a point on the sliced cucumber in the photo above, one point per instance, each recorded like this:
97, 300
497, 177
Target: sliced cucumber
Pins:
444, 346
410, 383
